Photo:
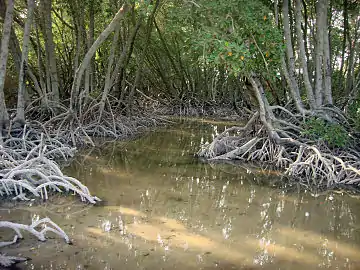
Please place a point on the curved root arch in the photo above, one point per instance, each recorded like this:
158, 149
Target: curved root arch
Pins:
314, 164
46, 226
273, 135
27, 168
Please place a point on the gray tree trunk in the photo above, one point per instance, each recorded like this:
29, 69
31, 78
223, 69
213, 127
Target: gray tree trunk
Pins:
302, 56
276, 11
87, 58
289, 71
50, 49
119, 72
351, 61
108, 81
16, 52
4, 117
319, 52
327, 59
44, 99
345, 34
91, 41
141, 59
20, 110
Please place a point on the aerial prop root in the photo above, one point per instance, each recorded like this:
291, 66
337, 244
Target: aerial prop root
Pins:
38, 176
28, 170
309, 162
95, 121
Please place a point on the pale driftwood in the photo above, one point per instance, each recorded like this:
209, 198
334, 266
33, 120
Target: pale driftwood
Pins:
40, 235
45, 224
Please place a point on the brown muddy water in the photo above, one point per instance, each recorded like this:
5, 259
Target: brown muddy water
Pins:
166, 210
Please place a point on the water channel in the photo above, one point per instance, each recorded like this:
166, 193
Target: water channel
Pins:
164, 209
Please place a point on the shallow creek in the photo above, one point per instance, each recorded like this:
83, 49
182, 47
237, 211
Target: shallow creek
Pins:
166, 210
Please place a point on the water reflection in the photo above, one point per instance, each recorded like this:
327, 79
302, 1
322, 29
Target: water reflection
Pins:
165, 209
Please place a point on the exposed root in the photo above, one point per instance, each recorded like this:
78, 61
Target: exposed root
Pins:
27, 157
312, 163
28, 170
197, 109
45, 224
37, 176
224, 143
27, 166
95, 121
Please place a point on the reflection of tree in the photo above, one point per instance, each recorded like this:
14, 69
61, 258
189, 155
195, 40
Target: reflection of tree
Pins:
57, 206
240, 207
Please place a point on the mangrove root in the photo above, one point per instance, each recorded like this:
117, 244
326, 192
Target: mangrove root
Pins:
45, 224
310, 162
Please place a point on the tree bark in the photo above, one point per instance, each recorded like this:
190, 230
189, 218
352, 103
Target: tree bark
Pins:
289, 71
351, 61
16, 52
168, 54
327, 59
44, 99
345, 32
119, 75
91, 41
50, 49
263, 108
20, 109
302, 56
305, 33
108, 81
4, 117
83, 46
141, 59
319, 52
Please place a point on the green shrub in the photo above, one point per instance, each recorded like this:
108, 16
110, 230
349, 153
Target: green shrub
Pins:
354, 114
334, 135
